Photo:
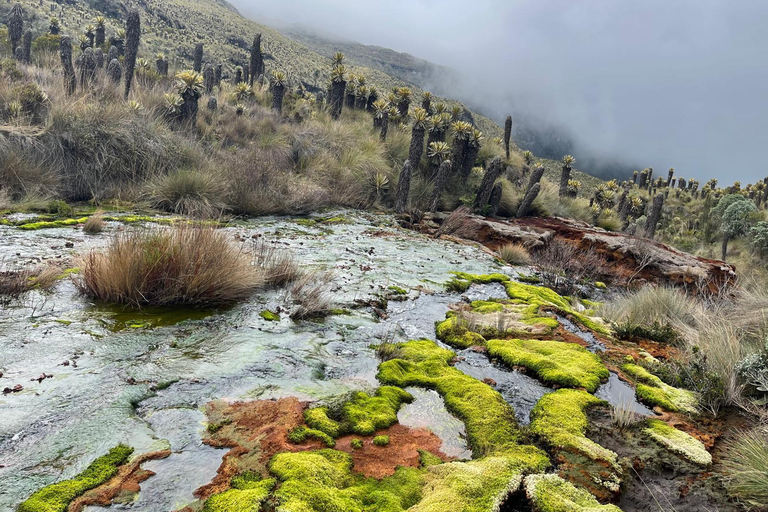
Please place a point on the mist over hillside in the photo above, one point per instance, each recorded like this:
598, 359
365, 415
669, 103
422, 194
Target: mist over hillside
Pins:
654, 83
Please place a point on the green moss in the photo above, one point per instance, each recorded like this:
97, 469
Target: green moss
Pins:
381, 440
427, 458
454, 332
554, 362
600, 285
366, 414
357, 444
301, 434
560, 420
270, 316
305, 222
528, 279
56, 497
322, 481
653, 391
33, 226
475, 486
317, 418
362, 414
485, 306
247, 494
541, 297
678, 442
461, 281
489, 419
396, 290
550, 493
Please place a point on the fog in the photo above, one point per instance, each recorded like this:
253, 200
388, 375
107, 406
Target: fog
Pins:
655, 83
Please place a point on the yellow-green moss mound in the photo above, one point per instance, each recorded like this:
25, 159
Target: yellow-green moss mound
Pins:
550, 493
554, 362
56, 497
322, 481
560, 420
491, 319
247, 494
678, 442
653, 391
362, 415
535, 297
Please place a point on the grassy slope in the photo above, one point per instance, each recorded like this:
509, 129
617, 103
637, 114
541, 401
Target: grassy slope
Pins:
174, 27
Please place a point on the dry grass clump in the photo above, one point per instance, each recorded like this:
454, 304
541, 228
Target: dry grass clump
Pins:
16, 283
95, 224
279, 267
653, 304
458, 224
514, 254
183, 265
623, 417
311, 295
192, 193
745, 464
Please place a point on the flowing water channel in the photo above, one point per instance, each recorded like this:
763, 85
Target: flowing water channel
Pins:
142, 379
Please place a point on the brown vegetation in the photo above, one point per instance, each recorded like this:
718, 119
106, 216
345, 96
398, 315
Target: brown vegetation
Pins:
182, 265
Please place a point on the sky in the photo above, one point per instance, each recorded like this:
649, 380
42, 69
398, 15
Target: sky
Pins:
654, 83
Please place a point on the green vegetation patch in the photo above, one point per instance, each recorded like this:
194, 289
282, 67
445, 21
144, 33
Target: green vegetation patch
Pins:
270, 316
357, 444
323, 481
381, 440
560, 420
678, 442
362, 414
653, 391
489, 419
474, 486
542, 297
247, 494
554, 362
491, 319
550, 493
397, 290
461, 281
302, 433
56, 497
33, 226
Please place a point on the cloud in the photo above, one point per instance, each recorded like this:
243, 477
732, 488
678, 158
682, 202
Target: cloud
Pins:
655, 83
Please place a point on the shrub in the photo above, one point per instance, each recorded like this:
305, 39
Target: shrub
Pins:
745, 463
514, 254
189, 193
183, 265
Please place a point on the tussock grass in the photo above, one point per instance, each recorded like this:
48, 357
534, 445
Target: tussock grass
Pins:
183, 265
514, 254
186, 192
14, 284
745, 463
94, 224
279, 267
311, 295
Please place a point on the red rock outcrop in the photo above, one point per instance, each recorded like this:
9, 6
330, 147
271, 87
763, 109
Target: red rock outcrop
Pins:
627, 257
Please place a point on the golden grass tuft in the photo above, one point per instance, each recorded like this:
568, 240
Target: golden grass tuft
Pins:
514, 254
745, 464
95, 223
183, 265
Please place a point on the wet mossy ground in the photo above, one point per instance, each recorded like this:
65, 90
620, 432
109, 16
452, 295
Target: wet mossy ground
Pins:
653, 391
56, 497
553, 362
